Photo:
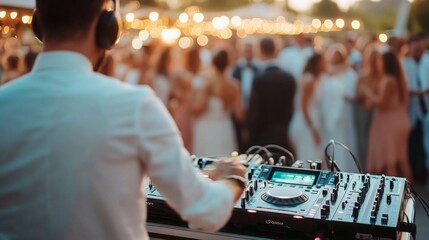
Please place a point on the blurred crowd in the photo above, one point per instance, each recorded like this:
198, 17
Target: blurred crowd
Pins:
231, 95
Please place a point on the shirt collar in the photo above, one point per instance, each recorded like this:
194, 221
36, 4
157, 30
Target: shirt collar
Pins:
62, 60
269, 63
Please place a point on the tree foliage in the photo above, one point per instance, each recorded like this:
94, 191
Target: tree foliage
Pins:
148, 3
419, 16
220, 5
326, 9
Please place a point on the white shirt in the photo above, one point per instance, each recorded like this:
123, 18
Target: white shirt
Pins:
293, 60
417, 71
74, 148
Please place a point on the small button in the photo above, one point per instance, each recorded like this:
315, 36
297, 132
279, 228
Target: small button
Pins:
243, 202
384, 218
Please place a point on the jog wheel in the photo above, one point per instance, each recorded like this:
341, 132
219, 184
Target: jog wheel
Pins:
284, 196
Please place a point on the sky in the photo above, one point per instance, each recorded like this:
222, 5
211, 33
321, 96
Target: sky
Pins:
303, 5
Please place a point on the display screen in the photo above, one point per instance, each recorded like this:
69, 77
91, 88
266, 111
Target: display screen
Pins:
293, 178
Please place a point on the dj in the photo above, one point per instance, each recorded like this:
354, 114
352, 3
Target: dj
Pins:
75, 145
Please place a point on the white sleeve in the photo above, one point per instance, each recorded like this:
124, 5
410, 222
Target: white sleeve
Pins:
204, 204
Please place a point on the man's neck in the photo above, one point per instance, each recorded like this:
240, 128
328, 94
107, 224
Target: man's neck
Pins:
75, 46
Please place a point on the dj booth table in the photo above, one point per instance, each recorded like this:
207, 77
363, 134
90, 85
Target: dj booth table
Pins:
294, 203
158, 231
167, 232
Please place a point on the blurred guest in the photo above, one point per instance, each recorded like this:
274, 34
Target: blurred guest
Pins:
354, 56
193, 67
339, 86
213, 105
293, 58
11, 68
159, 79
180, 105
29, 59
305, 129
271, 101
128, 69
418, 105
108, 66
244, 72
387, 149
145, 61
396, 44
369, 78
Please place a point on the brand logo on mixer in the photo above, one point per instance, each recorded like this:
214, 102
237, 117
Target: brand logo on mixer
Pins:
271, 222
150, 203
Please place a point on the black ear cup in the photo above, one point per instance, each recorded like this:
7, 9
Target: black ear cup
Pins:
107, 32
35, 24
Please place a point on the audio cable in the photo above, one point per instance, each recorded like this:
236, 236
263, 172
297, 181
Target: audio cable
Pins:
332, 159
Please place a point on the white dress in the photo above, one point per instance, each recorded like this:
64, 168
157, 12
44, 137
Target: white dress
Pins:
162, 87
337, 116
214, 131
300, 133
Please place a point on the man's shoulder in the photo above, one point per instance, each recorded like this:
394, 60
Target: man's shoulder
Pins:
114, 85
276, 72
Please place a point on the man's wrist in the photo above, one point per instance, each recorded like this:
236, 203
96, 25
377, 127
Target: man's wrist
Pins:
241, 182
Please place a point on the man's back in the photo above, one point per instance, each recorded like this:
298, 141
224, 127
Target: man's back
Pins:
74, 149
46, 172
271, 107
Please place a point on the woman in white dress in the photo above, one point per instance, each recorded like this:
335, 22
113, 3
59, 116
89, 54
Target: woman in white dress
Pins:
213, 105
305, 130
339, 87
159, 79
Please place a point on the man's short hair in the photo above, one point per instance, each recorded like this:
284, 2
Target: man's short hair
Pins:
267, 46
417, 37
62, 19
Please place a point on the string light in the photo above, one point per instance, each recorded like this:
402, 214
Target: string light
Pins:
316, 23
129, 17
13, 15
236, 21
198, 17
355, 24
25, 19
202, 40
137, 43
2, 14
340, 23
191, 26
185, 42
153, 16
383, 38
183, 18
328, 23
144, 35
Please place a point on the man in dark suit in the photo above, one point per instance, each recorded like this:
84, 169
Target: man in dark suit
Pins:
244, 72
271, 101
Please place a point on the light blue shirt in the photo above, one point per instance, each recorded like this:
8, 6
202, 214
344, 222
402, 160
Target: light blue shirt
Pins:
417, 72
74, 149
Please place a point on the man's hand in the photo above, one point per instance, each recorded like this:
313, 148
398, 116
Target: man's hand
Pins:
227, 167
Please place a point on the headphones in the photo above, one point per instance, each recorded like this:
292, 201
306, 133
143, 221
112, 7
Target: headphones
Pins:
107, 31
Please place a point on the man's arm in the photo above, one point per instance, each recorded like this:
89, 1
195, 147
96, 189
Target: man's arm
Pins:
203, 203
